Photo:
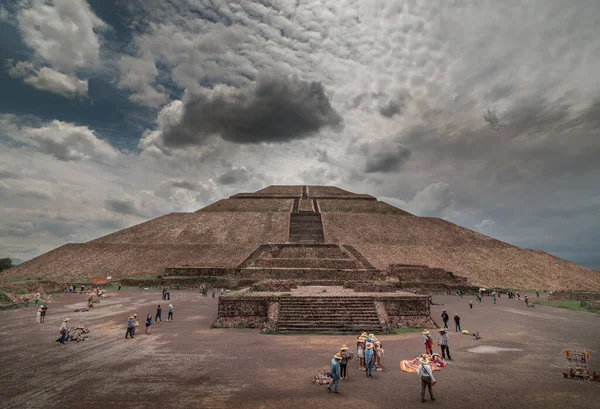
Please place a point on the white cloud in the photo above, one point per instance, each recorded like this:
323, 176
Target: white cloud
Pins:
48, 79
62, 33
65, 141
138, 74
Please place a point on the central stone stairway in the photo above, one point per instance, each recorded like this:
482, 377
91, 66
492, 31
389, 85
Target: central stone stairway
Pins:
306, 227
343, 314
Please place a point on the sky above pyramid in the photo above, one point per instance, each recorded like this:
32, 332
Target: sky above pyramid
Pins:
113, 112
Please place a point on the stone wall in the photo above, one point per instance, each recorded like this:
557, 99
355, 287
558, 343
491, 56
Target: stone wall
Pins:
199, 271
425, 274
272, 314
190, 283
574, 295
274, 285
591, 304
372, 286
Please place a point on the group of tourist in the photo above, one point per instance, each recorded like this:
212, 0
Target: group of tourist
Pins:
166, 294
369, 351
133, 321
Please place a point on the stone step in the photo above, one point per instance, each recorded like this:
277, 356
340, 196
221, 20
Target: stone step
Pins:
348, 326
307, 252
306, 263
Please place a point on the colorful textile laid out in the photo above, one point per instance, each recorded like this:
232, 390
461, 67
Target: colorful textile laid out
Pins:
323, 377
435, 361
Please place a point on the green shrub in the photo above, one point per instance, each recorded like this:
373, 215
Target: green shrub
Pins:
241, 325
286, 295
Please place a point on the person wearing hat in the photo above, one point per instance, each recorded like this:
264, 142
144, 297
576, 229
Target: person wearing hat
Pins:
445, 318
428, 342
135, 324
346, 357
360, 351
335, 372
64, 330
457, 322
43, 315
443, 342
369, 358
130, 326
170, 313
425, 373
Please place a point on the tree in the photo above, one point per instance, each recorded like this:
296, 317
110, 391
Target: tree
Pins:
5, 263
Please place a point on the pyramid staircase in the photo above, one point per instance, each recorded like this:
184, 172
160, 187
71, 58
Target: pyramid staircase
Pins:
343, 314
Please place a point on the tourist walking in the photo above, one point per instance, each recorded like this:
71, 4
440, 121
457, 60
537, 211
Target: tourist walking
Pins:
428, 342
443, 342
335, 372
170, 313
38, 315
369, 359
457, 322
119, 289
64, 330
169, 294
222, 291
537, 293
130, 326
425, 373
360, 350
494, 296
526, 301
213, 294
471, 304
148, 323
37, 299
445, 318
346, 357
158, 315
43, 317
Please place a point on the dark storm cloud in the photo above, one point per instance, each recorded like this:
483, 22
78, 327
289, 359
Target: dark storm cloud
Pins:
123, 206
274, 109
385, 158
392, 108
234, 176
183, 184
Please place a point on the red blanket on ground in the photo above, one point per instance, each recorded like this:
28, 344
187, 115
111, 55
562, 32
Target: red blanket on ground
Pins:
411, 365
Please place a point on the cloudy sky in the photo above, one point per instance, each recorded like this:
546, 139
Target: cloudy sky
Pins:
486, 113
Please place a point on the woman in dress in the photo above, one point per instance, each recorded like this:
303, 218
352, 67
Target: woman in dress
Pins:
428, 342
360, 352
148, 324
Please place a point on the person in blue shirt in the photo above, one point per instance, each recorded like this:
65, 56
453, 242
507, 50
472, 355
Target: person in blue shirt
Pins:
335, 372
369, 358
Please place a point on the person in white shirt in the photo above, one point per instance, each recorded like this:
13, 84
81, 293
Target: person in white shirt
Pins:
427, 380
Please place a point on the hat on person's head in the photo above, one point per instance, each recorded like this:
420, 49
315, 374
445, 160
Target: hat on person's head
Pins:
344, 348
442, 330
371, 336
361, 339
364, 334
131, 316
338, 356
369, 345
425, 332
135, 315
170, 305
67, 319
423, 360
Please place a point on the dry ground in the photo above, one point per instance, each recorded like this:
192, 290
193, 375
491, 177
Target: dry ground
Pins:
186, 364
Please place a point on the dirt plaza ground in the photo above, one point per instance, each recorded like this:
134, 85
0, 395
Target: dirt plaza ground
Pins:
186, 364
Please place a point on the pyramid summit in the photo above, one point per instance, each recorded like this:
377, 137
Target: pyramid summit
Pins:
306, 232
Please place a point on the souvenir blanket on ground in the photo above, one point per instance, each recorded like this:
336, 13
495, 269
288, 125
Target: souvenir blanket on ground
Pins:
411, 365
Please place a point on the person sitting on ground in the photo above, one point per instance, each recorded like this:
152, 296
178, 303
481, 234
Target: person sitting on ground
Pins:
148, 323
425, 373
347, 356
335, 372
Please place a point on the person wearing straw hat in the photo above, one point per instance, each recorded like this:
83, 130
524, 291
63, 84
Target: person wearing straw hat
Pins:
360, 351
335, 372
428, 342
130, 326
425, 373
346, 357
64, 330
443, 342
369, 358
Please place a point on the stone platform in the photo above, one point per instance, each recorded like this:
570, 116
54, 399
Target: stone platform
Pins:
324, 308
